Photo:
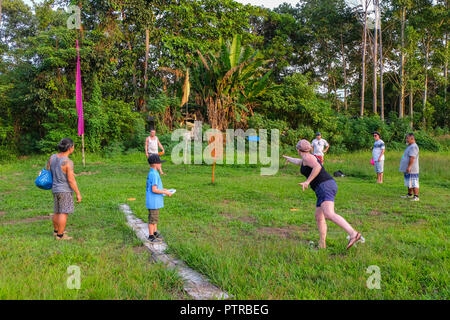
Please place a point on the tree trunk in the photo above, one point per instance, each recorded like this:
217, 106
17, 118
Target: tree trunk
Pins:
425, 91
445, 67
344, 62
363, 84
381, 75
0, 12
375, 59
411, 104
401, 110
130, 49
147, 40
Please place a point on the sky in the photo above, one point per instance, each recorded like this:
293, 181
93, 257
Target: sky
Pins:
266, 3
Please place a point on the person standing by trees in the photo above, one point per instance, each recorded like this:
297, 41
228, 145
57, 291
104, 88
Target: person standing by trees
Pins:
319, 144
325, 188
409, 165
151, 146
64, 184
378, 156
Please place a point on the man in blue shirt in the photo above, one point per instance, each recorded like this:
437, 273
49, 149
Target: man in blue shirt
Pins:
154, 196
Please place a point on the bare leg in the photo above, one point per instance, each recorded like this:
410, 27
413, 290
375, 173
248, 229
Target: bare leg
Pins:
151, 229
416, 191
55, 222
381, 177
328, 211
62, 221
322, 226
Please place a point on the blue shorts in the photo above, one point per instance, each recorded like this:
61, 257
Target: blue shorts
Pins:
411, 180
379, 166
326, 191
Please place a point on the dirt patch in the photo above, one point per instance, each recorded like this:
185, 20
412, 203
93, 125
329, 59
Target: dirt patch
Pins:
24, 157
246, 219
86, 173
375, 213
288, 232
2, 213
27, 220
95, 163
335, 161
17, 173
35, 166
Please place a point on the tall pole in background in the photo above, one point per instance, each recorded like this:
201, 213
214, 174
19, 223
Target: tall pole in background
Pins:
381, 64
375, 58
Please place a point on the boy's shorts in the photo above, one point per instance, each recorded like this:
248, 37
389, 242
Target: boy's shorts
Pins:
379, 166
153, 216
411, 180
63, 202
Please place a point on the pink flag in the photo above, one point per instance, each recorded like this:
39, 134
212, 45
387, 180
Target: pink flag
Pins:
79, 99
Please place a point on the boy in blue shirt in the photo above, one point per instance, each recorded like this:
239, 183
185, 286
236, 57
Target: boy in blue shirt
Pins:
154, 196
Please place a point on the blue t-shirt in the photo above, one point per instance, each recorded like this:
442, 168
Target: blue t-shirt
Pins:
154, 200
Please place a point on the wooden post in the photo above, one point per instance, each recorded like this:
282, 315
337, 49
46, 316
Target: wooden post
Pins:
82, 145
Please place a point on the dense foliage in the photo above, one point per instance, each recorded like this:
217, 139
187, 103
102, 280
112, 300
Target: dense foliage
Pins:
296, 68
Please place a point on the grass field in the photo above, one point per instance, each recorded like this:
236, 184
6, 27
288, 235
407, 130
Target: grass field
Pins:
239, 232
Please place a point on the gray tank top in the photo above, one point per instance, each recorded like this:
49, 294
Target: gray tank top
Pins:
60, 182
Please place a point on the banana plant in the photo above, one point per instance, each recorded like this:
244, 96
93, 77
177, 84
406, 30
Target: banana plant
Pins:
229, 82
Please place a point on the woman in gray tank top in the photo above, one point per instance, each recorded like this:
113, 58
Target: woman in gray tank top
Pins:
64, 185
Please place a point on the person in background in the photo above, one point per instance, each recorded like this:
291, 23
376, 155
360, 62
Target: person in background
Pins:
151, 146
409, 165
64, 184
318, 145
378, 156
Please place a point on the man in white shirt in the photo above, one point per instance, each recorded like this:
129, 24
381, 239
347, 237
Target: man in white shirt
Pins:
378, 156
318, 145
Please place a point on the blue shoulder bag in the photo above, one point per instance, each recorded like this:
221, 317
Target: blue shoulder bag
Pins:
44, 180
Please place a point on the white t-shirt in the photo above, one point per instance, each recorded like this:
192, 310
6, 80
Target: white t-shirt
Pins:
318, 146
378, 147
152, 146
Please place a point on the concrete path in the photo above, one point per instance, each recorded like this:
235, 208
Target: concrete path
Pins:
195, 284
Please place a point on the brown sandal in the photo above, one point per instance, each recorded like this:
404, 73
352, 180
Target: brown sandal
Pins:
353, 240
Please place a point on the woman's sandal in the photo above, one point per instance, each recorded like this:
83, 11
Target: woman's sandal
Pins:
353, 240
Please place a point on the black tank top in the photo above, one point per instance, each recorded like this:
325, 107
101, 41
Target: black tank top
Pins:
321, 177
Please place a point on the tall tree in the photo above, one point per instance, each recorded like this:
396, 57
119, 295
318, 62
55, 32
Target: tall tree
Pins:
364, 45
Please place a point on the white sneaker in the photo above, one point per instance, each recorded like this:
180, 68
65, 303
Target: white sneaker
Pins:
407, 196
414, 199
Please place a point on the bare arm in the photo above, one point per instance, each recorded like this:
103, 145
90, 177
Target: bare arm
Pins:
295, 161
146, 150
316, 167
67, 168
160, 145
157, 191
411, 161
382, 152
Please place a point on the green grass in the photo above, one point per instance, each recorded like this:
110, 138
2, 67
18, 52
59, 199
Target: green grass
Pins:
239, 232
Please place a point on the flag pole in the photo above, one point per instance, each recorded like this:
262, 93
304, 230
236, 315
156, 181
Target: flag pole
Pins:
82, 145
79, 104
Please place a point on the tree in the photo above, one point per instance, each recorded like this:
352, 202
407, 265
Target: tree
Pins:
229, 82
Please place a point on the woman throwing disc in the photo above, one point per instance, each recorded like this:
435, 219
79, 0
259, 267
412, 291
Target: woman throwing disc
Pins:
325, 188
